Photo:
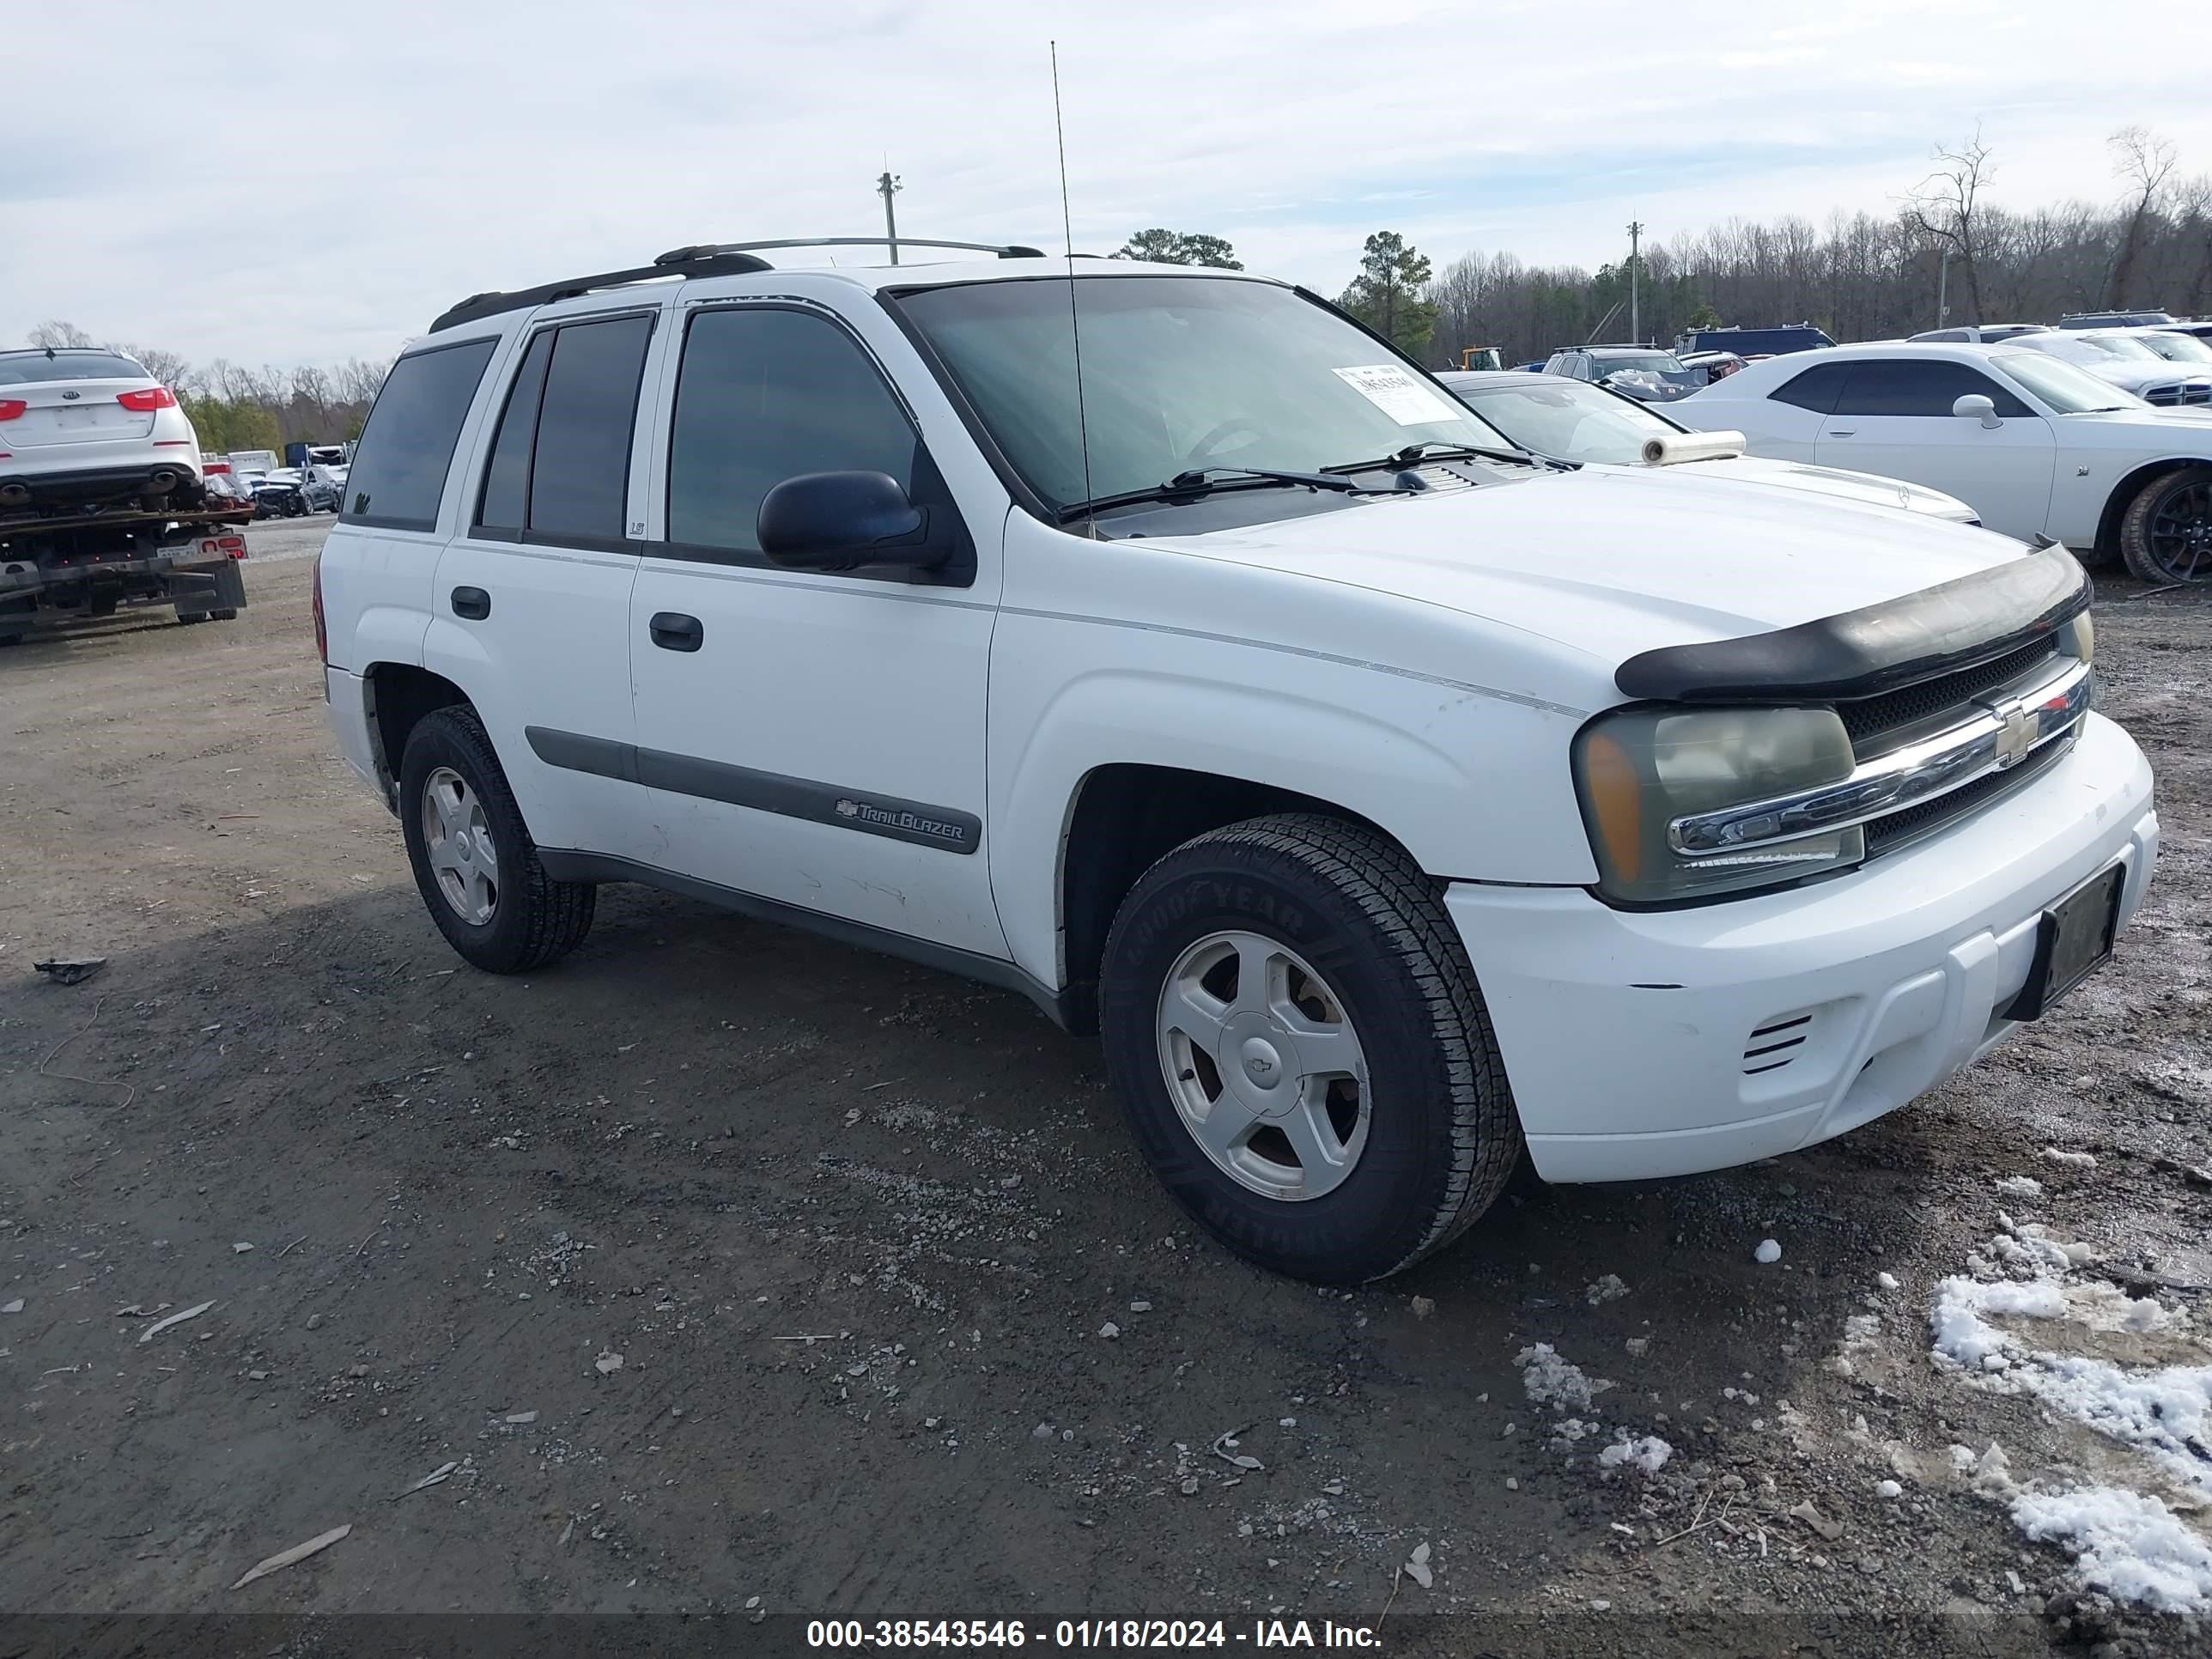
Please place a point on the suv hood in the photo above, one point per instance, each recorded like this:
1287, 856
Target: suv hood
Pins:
1611, 562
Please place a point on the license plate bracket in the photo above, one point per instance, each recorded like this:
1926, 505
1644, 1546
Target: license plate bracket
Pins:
2073, 940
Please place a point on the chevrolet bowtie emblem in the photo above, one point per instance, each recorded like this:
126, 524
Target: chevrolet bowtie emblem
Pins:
2016, 736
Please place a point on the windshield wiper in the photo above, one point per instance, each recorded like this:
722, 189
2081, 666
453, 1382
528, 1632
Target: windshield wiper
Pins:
1412, 453
1205, 481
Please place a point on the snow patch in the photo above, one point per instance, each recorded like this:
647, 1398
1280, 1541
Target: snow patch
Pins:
1557, 1383
2124, 1542
1607, 1288
1650, 1453
2021, 1187
2071, 1160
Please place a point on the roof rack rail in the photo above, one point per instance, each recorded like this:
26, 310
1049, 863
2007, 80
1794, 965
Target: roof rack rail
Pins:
711, 250
685, 262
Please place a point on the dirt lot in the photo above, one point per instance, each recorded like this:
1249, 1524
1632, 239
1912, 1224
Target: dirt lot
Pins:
727, 1264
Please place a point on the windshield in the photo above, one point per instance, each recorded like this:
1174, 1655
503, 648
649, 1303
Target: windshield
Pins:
2066, 389
2121, 346
21, 367
2178, 348
1567, 420
1179, 374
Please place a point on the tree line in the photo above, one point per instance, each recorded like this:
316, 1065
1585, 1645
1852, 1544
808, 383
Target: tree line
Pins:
1860, 276
233, 407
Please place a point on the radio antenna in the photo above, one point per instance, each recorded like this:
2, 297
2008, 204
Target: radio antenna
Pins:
1074, 325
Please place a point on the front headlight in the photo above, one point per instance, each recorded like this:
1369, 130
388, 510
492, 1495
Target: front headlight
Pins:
1639, 770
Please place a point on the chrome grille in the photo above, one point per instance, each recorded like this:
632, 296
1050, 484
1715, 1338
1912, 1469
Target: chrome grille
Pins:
1901, 830
2185, 392
1879, 723
2001, 734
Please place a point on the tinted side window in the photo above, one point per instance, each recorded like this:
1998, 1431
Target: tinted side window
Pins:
764, 395
399, 467
1895, 385
1815, 389
507, 479
579, 479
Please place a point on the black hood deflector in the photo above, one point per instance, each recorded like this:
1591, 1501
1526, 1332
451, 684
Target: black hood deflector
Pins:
1863, 653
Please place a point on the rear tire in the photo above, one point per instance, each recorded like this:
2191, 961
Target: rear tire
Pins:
1352, 955
224, 616
2166, 535
190, 617
482, 881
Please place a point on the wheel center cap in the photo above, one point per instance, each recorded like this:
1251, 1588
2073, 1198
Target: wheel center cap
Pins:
1263, 1063
461, 843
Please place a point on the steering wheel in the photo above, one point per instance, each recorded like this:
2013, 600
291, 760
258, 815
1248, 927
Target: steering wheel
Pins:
1210, 446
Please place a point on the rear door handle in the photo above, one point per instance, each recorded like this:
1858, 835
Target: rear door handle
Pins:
671, 630
472, 603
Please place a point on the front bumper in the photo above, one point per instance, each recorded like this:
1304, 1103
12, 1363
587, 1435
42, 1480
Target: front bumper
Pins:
1628, 1035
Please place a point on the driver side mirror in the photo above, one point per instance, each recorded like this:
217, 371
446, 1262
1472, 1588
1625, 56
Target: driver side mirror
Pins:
842, 520
1975, 407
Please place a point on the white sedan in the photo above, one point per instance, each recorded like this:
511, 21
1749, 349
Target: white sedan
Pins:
1566, 420
79, 427
2036, 445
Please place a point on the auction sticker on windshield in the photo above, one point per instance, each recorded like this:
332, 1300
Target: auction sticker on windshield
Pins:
1398, 394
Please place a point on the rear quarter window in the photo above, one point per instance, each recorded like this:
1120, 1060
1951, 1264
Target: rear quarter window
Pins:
400, 466
1815, 389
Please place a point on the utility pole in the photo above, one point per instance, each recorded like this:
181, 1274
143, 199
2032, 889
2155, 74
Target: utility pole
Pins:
1635, 306
886, 186
1943, 288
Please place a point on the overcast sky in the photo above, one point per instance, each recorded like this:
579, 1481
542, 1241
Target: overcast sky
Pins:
306, 183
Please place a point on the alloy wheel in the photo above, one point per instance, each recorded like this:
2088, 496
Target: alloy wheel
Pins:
1264, 1067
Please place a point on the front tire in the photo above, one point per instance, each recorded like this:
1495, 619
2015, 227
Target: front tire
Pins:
2166, 534
1302, 1050
475, 863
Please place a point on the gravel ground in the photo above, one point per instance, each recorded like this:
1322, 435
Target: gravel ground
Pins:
722, 1263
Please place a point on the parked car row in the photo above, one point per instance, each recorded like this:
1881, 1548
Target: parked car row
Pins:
2037, 443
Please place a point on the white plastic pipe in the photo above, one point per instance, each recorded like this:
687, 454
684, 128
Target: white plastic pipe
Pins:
1676, 448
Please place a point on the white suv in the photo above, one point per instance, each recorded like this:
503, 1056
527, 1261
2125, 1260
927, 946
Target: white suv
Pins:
1384, 797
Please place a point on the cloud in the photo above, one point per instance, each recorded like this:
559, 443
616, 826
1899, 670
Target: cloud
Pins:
290, 187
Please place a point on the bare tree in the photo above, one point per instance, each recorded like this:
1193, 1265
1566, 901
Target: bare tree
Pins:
311, 386
1945, 207
2144, 160
55, 333
167, 367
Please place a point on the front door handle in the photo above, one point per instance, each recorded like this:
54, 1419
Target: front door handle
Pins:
671, 630
1839, 432
472, 603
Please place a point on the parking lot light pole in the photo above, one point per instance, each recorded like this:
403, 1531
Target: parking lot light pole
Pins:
1635, 313
885, 187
